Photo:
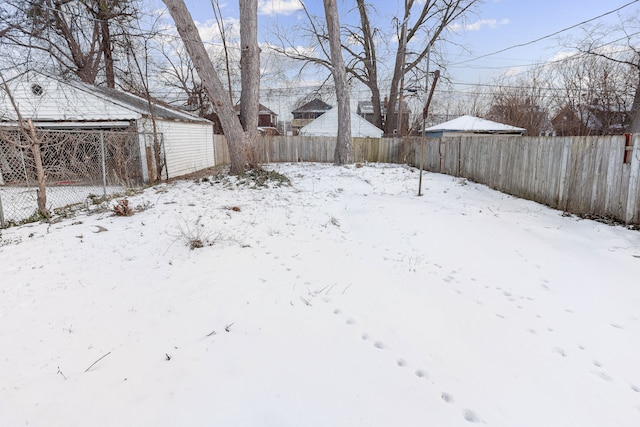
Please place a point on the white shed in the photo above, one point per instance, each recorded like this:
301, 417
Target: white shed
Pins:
470, 125
52, 103
327, 125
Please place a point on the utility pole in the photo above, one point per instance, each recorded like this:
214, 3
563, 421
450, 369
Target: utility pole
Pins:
403, 37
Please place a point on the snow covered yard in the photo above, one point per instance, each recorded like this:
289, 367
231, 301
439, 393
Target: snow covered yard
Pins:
341, 300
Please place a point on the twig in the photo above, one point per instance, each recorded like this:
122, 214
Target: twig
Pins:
86, 370
228, 327
345, 289
330, 288
212, 333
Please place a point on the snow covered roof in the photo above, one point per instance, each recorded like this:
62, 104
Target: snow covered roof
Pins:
474, 125
327, 125
45, 98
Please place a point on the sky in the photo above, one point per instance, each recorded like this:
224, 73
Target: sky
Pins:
341, 300
471, 58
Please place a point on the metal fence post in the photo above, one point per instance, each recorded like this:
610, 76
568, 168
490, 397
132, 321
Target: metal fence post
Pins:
1, 213
104, 165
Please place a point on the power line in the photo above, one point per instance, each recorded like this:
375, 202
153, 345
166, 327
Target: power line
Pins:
549, 35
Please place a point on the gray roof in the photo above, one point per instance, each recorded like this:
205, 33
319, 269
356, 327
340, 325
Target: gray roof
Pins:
315, 106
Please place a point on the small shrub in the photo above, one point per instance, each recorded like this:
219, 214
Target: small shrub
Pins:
263, 178
122, 208
195, 244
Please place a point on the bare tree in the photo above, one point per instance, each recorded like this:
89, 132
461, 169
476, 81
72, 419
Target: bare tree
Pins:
432, 18
344, 150
242, 145
215, 4
26, 137
594, 44
78, 34
522, 103
249, 67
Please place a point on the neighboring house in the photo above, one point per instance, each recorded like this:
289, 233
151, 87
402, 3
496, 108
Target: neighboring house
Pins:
365, 110
327, 125
68, 105
267, 120
594, 119
469, 125
308, 112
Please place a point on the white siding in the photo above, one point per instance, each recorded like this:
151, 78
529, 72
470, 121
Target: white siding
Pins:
59, 102
188, 146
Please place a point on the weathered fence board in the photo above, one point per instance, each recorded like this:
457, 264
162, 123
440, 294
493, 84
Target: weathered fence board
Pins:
582, 175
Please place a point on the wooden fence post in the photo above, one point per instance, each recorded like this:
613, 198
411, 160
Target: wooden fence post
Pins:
633, 203
562, 189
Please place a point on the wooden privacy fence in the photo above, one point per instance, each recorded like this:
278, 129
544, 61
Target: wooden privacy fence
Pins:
597, 176
319, 149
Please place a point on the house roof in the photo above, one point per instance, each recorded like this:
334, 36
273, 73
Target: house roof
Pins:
327, 125
261, 109
45, 98
314, 106
474, 124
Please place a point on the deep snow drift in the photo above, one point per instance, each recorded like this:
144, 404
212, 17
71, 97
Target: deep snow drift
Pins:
341, 300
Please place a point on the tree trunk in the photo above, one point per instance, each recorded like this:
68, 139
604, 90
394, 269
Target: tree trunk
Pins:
344, 149
249, 67
241, 145
370, 62
42, 187
393, 121
635, 108
108, 54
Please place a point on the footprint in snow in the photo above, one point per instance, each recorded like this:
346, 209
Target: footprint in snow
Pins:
420, 373
471, 416
379, 345
447, 398
603, 375
560, 351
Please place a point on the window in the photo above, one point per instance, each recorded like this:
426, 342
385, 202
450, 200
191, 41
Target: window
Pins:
36, 89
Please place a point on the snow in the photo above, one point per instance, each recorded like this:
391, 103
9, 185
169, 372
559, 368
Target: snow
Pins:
20, 203
471, 123
342, 300
327, 125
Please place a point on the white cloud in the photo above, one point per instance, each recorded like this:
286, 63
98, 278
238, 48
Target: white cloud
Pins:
478, 25
210, 33
278, 7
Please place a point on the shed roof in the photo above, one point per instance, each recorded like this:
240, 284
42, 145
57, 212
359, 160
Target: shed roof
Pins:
327, 125
48, 99
474, 124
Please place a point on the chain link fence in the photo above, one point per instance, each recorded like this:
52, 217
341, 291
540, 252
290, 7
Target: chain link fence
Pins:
80, 167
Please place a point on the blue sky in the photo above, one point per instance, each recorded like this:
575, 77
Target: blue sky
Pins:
494, 25
512, 22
